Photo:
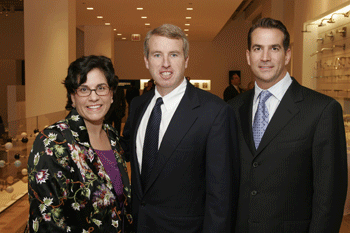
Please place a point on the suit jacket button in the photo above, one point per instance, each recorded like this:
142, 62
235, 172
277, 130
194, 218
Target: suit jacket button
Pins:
143, 204
255, 164
254, 193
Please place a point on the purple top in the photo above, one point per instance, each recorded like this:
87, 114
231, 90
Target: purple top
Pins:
110, 164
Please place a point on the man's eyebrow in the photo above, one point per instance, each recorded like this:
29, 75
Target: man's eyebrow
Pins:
276, 45
156, 51
272, 46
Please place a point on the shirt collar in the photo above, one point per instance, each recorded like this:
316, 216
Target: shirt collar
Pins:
171, 99
278, 90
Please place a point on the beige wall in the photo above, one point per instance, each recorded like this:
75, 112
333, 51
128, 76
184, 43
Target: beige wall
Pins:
11, 52
48, 50
80, 43
8, 73
11, 36
99, 40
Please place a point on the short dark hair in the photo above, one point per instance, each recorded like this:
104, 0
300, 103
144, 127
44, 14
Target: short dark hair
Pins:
170, 31
231, 76
272, 24
78, 70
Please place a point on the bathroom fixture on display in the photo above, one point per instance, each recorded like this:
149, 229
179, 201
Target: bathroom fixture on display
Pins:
308, 25
342, 31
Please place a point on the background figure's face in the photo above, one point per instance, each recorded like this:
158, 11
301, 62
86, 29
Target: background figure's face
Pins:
236, 80
267, 57
166, 63
93, 108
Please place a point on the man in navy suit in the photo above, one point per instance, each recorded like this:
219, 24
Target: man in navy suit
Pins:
191, 184
294, 172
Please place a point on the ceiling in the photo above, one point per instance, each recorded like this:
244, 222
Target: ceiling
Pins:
208, 17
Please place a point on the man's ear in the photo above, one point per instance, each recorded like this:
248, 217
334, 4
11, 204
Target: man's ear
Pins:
247, 53
146, 61
288, 56
186, 61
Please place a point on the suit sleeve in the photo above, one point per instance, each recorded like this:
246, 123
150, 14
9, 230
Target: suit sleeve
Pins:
221, 173
329, 171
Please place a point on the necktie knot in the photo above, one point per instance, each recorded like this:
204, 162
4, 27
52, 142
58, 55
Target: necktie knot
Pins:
159, 102
264, 96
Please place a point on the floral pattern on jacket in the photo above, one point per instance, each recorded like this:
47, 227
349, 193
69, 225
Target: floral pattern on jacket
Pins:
69, 189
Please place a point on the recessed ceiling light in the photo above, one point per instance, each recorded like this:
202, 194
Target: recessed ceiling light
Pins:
124, 38
147, 24
187, 24
186, 30
139, 8
90, 8
189, 9
107, 23
188, 17
100, 17
143, 17
119, 34
114, 29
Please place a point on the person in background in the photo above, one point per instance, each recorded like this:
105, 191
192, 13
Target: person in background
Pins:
131, 92
78, 180
292, 145
150, 86
117, 110
233, 89
181, 144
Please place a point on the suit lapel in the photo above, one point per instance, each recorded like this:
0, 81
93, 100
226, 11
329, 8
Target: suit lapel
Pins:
245, 112
285, 111
139, 112
182, 120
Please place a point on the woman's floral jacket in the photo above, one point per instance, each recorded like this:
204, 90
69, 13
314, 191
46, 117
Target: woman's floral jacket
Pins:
69, 189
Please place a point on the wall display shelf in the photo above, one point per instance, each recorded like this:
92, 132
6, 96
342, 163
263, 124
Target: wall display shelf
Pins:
326, 63
15, 146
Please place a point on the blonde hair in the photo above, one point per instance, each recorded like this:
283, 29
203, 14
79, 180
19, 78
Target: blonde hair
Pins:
170, 31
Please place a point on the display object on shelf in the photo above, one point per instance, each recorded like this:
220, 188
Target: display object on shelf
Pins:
13, 162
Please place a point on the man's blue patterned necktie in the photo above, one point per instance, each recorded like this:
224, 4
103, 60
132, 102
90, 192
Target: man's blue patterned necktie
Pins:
150, 146
261, 119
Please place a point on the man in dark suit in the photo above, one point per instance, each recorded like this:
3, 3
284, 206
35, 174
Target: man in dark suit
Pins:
233, 89
117, 109
190, 186
293, 174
